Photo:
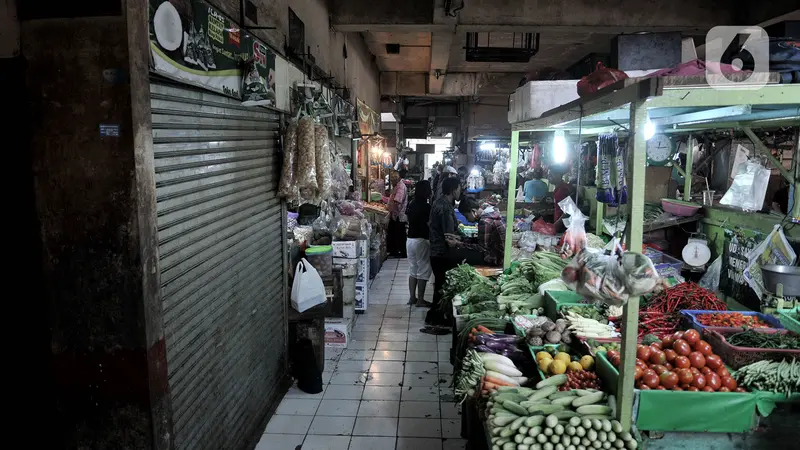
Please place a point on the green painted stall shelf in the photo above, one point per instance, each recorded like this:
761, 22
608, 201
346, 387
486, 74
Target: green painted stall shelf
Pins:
714, 412
552, 299
787, 319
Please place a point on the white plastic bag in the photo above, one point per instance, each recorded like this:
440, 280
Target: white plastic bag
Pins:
749, 187
710, 280
575, 236
775, 249
308, 290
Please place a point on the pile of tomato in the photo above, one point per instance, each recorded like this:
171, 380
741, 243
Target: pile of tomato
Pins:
581, 380
680, 362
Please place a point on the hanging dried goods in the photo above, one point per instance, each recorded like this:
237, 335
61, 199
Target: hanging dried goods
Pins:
288, 187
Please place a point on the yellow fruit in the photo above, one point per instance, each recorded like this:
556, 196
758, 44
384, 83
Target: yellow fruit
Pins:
544, 364
587, 362
543, 355
563, 357
557, 367
574, 366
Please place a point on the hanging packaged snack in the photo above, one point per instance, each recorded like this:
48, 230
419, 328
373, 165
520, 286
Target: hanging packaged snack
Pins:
575, 237
620, 187
305, 170
254, 88
606, 159
287, 187
322, 156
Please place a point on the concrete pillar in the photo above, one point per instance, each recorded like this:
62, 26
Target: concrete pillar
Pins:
95, 202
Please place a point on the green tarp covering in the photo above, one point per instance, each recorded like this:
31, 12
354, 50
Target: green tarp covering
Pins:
715, 412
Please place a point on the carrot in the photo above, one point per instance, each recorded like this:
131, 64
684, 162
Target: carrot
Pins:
498, 382
473, 331
483, 329
489, 386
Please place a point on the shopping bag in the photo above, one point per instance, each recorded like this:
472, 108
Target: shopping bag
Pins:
308, 290
775, 249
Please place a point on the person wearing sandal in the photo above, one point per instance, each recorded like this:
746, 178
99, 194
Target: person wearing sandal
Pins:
418, 247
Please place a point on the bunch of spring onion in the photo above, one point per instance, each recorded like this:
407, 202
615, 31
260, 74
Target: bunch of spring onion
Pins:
590, 328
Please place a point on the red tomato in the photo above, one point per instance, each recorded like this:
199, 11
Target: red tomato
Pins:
670, 354
695, 371
691, 336
714, 381
675, 336
637, 373
714, 362
697, 359
657, 357
677, 388
667, 342
612, 353
668, 366
615, 361
685, 376
682, 362
704, 348
643, 352
656, 345
693, 389
681, 347
723, 389
706, 371
741, 389
707, 389
647, 371
699, 381
722, 372
685, 386
660, 388
644, 387
729, 382
640, 363
650, 380
668, 379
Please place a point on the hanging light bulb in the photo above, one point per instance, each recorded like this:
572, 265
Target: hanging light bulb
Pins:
488, 146
559, 148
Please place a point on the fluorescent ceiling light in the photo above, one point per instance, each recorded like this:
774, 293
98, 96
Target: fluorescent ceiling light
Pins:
488, 146
559, 148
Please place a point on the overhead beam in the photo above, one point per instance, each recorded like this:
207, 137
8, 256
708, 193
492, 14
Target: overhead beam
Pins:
440, 57
467, 84
533, 28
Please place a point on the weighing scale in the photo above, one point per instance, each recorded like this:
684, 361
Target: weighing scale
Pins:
696, 253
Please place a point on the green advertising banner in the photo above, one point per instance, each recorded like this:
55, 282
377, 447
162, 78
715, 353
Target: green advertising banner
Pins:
738, 243
194, 43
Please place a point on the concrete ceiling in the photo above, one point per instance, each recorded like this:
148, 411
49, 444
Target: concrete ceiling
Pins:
431, 59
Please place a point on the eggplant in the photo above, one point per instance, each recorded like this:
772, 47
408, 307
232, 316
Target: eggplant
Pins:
498, 338
484, 349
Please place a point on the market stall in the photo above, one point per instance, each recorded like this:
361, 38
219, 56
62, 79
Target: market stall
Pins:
548, 355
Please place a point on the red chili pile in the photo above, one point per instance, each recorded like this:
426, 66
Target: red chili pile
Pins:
680, 362
662, 316
736, 320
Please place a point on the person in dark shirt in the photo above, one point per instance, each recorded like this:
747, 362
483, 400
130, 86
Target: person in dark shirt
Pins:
443, 226
418, 248
491, 230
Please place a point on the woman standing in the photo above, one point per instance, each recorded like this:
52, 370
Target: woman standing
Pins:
398, 200
418, 247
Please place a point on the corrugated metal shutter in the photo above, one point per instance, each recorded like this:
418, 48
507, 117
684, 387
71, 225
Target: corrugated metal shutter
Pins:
220, 254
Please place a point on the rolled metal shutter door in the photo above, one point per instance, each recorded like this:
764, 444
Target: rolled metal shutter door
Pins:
220, 255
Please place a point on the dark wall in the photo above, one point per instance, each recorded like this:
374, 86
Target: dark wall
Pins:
98, 259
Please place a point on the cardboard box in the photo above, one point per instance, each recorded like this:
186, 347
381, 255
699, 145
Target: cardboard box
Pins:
349, 266
347, 249
362, 298
362, 274
337, 332
348, 311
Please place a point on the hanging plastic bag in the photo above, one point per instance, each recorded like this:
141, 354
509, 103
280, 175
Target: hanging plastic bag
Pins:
620, 187
600, 78
308, 290
322, 162
749, 187
288, 188
575, 236
305, 175
606, 166
775, 249
710, 279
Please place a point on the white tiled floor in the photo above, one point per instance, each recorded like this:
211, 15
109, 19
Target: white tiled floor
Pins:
390, 389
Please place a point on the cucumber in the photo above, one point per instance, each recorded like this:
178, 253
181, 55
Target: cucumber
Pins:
525, 392
523, 430
586, 423
570, 430
501, 421
547, 432
619, 443
565, 441
606, 445
596, 424
555, 439
576, 440
591, 435
575, 421
518, 438
507, 432
528, 440
535, 431
580, 431
544, 392
505, 389
626, 436
496, 431
607, 424
514, 408
509, 396
602, 435
632, 444
565, 401
589, 399
561, 394
545, 409
611, 436
597, 417
595, 409
551, 421
616, 427
496, 447
523, 447
559, 429
541, 438
515, 425
533, 421
597, 444
509, 446
555, 380
583, 392
547, 446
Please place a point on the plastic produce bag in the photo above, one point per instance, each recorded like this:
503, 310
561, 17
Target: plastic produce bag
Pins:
308, 290
611, 187
322, 164
288, 188
710, 279
540, 226
600, 78
749, 187
775, 249
305, 175
528, 240
575, 236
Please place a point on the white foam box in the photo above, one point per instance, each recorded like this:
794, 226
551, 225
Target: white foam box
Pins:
349, 266
347, 249
362, 298
337, 332
348, 290
537, 97
362, 272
